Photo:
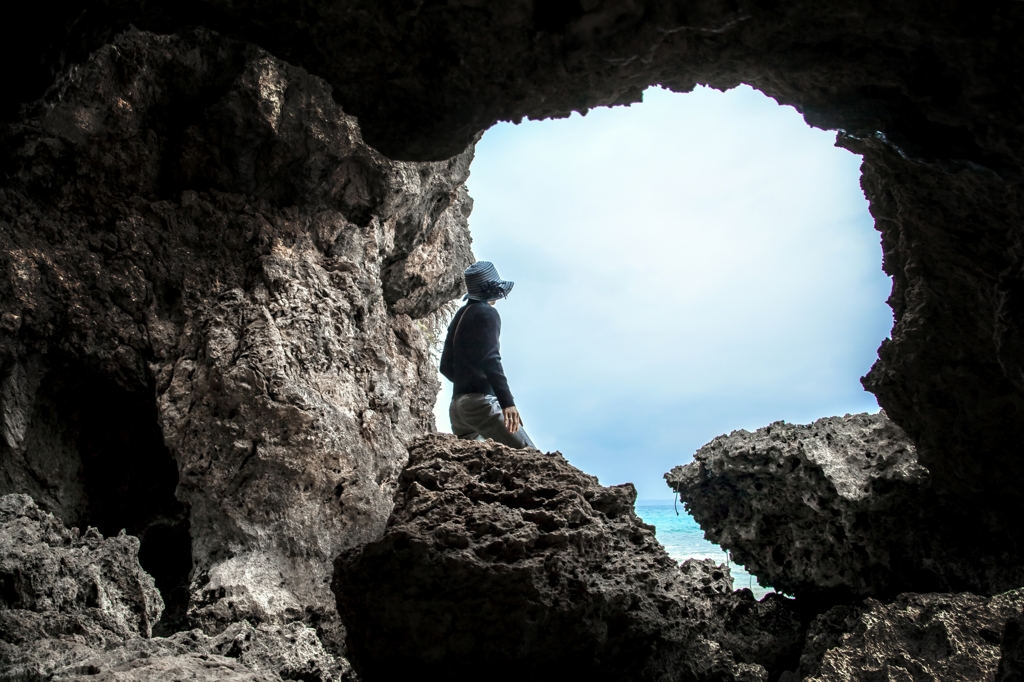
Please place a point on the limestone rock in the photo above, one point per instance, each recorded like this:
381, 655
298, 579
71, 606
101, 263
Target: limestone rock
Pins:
62, 591
76, 605
427, 77
929, 97
834, 510
514, 561
218, 296
941, 637
241, 651
174, 669
46, 567
62, 649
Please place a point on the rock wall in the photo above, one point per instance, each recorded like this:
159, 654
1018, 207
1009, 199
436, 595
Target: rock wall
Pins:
428, 76
837, 510
514, 562
214, 300
927, 94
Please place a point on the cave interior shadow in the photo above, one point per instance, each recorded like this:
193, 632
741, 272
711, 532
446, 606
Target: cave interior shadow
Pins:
105, 438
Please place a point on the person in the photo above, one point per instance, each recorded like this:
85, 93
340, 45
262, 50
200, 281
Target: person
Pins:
482, 404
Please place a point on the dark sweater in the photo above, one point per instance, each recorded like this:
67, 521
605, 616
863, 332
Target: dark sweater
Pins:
471, 361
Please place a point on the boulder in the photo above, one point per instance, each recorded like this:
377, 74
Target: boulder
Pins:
63, 592
48, 568
837, 510
515, 562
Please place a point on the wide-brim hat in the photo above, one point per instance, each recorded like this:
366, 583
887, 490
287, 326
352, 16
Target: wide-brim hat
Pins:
484, 284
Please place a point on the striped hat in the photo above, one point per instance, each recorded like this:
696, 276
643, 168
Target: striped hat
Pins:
483, 283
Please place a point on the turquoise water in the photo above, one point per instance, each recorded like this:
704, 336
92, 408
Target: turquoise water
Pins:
683, 539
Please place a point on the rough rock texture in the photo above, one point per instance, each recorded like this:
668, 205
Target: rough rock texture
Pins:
78, 605
241, 651
194, 230
56, 580
515, 562
929, 95
837, 509
192, 218
940, 637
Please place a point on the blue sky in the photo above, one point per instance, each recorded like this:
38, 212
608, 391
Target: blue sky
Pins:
684, 267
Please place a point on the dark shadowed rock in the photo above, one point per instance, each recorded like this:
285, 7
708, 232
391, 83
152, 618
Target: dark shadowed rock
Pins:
515, 562
427, 77
1011, 651
940, 637
837, 509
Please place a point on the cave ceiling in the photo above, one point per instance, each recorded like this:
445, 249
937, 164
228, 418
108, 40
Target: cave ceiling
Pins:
938, 80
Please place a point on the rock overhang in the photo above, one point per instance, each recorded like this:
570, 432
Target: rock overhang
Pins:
426, 77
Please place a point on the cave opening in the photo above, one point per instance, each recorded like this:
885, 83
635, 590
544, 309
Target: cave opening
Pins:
92, 453
684, 267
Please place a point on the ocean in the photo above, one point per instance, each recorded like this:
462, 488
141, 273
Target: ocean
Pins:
683, 539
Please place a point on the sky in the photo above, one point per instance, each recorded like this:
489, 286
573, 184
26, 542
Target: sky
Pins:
684, 267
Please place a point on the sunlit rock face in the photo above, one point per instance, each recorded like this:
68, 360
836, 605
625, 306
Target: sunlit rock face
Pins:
837, 510
213, 297
516, 562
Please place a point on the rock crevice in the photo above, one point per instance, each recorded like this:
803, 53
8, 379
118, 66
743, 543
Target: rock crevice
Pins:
836, 510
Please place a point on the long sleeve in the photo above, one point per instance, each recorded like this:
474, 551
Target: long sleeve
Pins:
471, 359
490, 363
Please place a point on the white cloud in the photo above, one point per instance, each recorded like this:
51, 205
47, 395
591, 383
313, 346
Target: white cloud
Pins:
682, 266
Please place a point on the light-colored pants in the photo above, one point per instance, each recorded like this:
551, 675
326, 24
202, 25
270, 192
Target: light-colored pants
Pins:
478, 416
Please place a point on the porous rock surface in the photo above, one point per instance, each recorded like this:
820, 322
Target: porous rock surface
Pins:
941, 637
928, 95
514, 562
77, 606
213, 298
428, 76
190, 217
57, 581
837, 509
